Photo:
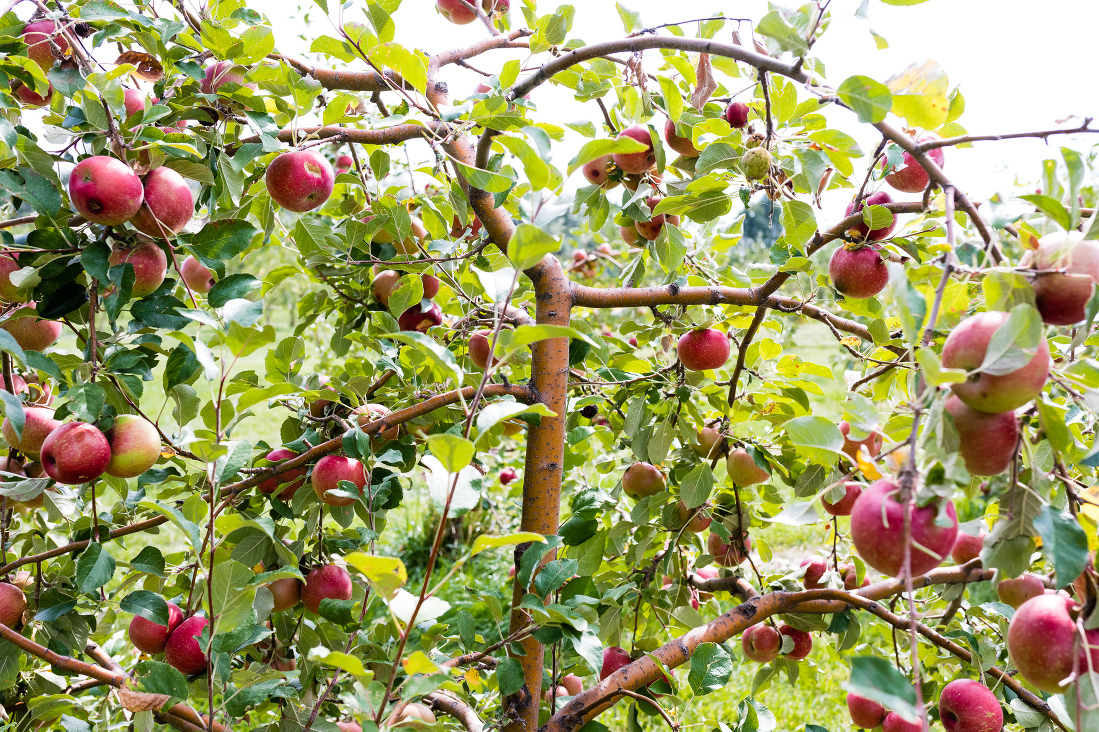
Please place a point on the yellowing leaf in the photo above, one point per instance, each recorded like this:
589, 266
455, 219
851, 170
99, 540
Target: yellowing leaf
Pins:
473, 678
866, 464
491, 542
419, 663
919, 95
386, 574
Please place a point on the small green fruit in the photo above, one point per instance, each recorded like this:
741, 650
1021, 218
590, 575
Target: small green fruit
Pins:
754, 140
756, 162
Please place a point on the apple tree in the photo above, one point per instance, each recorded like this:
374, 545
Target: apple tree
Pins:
637, 397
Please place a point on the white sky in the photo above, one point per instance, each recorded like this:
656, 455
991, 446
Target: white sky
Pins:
1021, 66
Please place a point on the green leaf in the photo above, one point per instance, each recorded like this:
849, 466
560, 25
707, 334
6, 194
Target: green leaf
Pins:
509, 676
86, 401
799, 223
774, 26
529, 244
919, 95
711, 668
441, 357
13, 411
231, 288
189, 528
696, 486
157, 677
1014, 343
877, 679
870, 99
225, 239
1064, 541
453, 452
343, 661
94, 568
598, 148
933, 371
483, 542
1050, 207
819, 438
148, 605
150, 561
484, 180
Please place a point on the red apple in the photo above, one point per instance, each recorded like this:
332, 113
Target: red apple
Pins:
851, 578
743, 470
29, 96
414, 715
31, 332
330, 582
736, 114
877, 530
967, 547
301, 180
105, 190
289, 481
281, 663
987, 442
695, 520
183, 650
861, 230
199, 277
965, 348
8, 291
872, 442
702, 350
134, 101
344, 163
708, 444
480, 349
1043, 642
803, 642
1062, 298
1018, 590
383, 285
910, 177
651, 229
40, 37
865, 713
633, 341
682, 145
597, 172
629, 235
507, 475
75, 453
150, 265
168, 205
420, 320
370, 412
858, 273
287, 593
12, 605
815, 567
637, 162
458, 13
149, 637
134, 444
732, 554
842, 507
894, 722
39, 424
558, 692
968, 706
330, 470
614, 658
642, 479
221, 73
573, 684
761, 643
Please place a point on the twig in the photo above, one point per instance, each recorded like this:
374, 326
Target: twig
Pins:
742, 353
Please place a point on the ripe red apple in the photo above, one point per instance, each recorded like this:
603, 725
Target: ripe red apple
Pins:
344, 163
872, 442
858, 273
965, 348
731, 554
803, 642
12, 604
614, 658
199, 277
150, 265
910, 177
507, 475
480, 349
149, 637
134, 101
842, 507
987, 442
134, 444
637, 162
642, 479
420, 320
105, 190
1062, 298
651, 229
695, 520
968, 706
1043, 644
289, 481
39, 424
8, 291
29, 96
40, 38
894, 722
967, 547
1017, 590
702, 350
31, 332
861, 230
414, 714
629, 235
183, 650
851, 578
708, 443
383, 285
75, 453
573, 684
815, 567
558, 692
743, 470
736, 114
761, 643
682, 145
168, 205
877, 530
330, 470
287, 593
457, 13
430, 284
330, 582
633, 341
301, 180
370, 412
597, 172
221, 73
865, 713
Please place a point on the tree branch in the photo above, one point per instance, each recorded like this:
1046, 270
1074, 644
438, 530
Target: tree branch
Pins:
1043, 134
742, 352
447, 703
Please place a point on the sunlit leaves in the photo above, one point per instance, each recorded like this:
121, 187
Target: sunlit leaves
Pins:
920, 95
870, 99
